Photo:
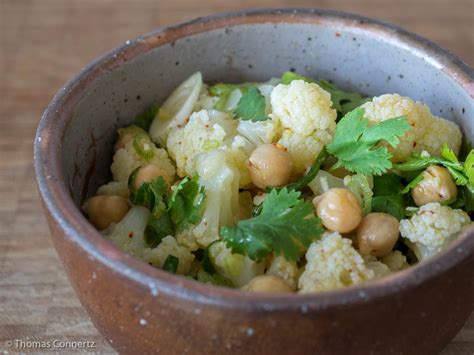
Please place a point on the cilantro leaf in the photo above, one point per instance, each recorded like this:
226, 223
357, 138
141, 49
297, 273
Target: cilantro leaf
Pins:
355, 144
391, 204
251, 106
412, 184
387, 197
342, 101
157, 228
152, 194
186, 203
171, 264
469, 167
281, 227
463, 173
145, 119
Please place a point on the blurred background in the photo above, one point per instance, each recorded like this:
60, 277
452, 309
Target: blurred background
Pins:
43, 43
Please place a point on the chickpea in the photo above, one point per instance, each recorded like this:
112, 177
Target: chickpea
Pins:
270, 165
339, 210
106, 209
122, 141
377, 234
147, 173
437, 186
268, 283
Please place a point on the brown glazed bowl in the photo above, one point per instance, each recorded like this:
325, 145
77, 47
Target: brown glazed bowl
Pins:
140, 309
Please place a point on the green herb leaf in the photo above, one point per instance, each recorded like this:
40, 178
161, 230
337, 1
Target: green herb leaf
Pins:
282, 227
186, 203
469, 167
465, 198
356, 145
342, 101
150, 194
387, 197
157, 228
392, 204
462, 173
412, 184
251, 106
448, 154
387, 184
145, 119
171, 264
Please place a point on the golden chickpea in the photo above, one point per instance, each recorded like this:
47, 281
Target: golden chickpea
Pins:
106, 209
270, 165
437, 186
268, 283
339, 210
147, 173
122, 141
377, 234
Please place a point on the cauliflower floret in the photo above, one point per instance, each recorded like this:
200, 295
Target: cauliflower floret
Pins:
205, 101
119, 188
205, 131
432, 228
395, 261
239, 269
284, 269
428, 132
127, 159
221, 181
304, 149
128, 236
333, 263
379, 268
303, 107
303, 110
261, 132
169, 246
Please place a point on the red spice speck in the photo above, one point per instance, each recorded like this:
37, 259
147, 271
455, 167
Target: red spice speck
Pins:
414, 144
130, 235
338, 34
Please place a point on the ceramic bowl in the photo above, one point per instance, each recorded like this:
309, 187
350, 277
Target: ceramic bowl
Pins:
140, 309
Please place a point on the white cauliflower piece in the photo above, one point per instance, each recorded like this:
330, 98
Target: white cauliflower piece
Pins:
428, 132
432, 228
304, 149
169, 246
239, 269
128, 233
208, 130
128, 236
260, 132
333, 263
205, 101
127, 159
308, 121
221, 181
379, 268
303, 107
119, 188
395, 261
284, 269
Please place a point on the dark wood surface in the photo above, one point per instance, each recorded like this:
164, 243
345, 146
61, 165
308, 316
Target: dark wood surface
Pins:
42, 44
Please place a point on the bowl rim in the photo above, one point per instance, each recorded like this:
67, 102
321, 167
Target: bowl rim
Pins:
75, 227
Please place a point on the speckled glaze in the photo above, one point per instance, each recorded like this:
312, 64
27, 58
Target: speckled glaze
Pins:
140, 309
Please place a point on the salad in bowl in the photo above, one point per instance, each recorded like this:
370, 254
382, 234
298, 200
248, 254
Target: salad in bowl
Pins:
287, 186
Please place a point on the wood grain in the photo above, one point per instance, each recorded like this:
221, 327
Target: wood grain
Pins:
43, 43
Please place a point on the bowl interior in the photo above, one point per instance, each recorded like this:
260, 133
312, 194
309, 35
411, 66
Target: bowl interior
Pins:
353, 55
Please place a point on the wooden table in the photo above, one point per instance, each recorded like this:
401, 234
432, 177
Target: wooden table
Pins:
43, 43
